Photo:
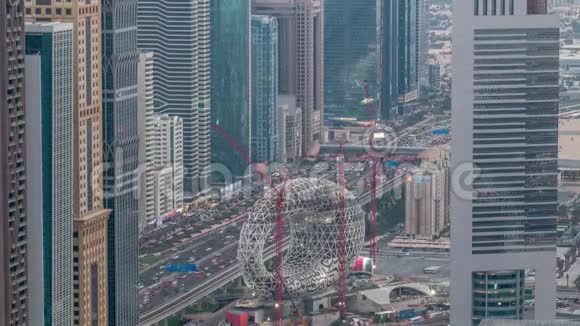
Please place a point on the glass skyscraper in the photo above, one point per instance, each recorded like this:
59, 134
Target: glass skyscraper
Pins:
301, 57
178, 33
230, 84
389, 45
265, 135
120, 154
49, 129
402, 53
350, 57
90, 223
505, 154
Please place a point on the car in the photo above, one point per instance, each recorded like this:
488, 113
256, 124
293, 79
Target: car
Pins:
208, 249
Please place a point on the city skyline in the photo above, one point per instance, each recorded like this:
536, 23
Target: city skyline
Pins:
289, 162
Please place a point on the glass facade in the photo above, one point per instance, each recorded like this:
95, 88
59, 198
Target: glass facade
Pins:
178, 33
515, 140
265, 140
120, 155
53, 44
403, 53
230, 84
498, 294
350, 57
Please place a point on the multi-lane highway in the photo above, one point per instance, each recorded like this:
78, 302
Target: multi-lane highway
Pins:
199, 291
214, 250
168, 294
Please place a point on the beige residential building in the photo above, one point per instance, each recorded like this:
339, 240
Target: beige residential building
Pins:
427, 201
90, 249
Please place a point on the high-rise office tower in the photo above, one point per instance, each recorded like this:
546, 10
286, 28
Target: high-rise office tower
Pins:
90, 224
350, 57
146, 115
505, 148
301, 68
230, 85
413, 49
14, 295
265, 139
388, 42
178, 33
121, 146
49, 166
403, 52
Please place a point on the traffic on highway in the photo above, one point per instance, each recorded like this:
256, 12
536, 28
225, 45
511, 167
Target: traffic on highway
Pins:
206, 236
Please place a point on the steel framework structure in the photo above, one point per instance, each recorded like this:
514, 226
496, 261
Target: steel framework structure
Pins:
311, 210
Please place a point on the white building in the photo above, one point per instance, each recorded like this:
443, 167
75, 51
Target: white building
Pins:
146, 141
504, 162
178, 32
289, 128
167, 164
164, 194
427, 202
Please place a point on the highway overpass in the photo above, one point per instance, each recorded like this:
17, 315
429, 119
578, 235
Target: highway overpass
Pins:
350, 149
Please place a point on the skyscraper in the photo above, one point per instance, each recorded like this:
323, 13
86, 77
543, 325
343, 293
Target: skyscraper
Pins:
49, 164
146, 127
301, 50
350, 57
121, 147
90, 225
178, 33
403, 53
388, 43
13, 220
413, 49
230, 84
505, 147
265, 134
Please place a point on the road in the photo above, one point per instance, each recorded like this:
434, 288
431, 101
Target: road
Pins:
199, 291
214, 251
179, 291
